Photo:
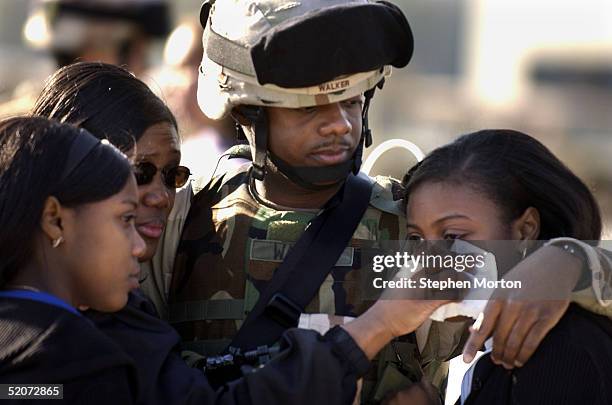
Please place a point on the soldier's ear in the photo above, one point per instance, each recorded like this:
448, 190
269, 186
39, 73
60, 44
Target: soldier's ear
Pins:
239, 117
244, 126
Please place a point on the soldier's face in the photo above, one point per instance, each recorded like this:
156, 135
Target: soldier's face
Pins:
316, 136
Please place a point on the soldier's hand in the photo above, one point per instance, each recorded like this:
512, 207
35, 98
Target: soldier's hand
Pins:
519, 319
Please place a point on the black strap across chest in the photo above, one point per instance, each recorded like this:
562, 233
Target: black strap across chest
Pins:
297, 280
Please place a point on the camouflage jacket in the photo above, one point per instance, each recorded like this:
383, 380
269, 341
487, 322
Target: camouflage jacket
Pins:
232, 244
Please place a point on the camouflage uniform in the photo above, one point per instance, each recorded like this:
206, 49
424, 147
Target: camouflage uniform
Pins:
216, 263
233, 243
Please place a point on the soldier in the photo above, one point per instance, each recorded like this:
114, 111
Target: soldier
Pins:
298, 77
51, 263
79, 93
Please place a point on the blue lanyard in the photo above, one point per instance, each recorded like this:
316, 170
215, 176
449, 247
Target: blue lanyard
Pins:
40, 297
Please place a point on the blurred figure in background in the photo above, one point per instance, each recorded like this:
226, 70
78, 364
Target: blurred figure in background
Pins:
204, 140
113, 31
118, 32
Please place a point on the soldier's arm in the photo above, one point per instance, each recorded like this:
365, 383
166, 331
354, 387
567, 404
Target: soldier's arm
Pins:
594, 287
519, 320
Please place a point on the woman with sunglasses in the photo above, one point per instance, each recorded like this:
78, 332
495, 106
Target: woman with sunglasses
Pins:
58, 183
111, 103
108, 102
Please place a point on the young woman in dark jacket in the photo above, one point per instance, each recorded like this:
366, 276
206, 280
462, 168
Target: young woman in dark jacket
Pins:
68, 200
503, 185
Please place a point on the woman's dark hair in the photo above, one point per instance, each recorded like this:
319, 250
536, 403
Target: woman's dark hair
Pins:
107, 100
516, 172
38, 160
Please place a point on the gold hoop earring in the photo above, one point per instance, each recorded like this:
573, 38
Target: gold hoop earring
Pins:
57, 242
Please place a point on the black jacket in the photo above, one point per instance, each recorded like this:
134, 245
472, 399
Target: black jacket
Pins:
46, 344
129, 357
573, 365
311, 369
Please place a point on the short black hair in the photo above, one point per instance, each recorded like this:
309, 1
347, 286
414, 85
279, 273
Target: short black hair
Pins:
33, 156
107, 100
515, 171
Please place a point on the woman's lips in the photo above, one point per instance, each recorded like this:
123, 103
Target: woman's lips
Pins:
331, 156
152, 229
134, 277
134, 282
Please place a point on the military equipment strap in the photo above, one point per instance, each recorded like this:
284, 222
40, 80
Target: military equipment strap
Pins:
206, 309
298, 278
210, 347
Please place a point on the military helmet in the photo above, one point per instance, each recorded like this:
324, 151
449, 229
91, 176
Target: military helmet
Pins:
293, 54
297, 54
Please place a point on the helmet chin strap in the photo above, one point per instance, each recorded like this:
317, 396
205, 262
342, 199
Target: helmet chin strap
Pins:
259, 118
366, 133
311, 178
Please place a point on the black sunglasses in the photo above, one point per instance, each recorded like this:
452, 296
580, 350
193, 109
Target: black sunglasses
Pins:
173, 177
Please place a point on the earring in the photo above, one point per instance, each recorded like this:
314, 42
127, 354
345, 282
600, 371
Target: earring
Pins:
57, 242
524, 255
